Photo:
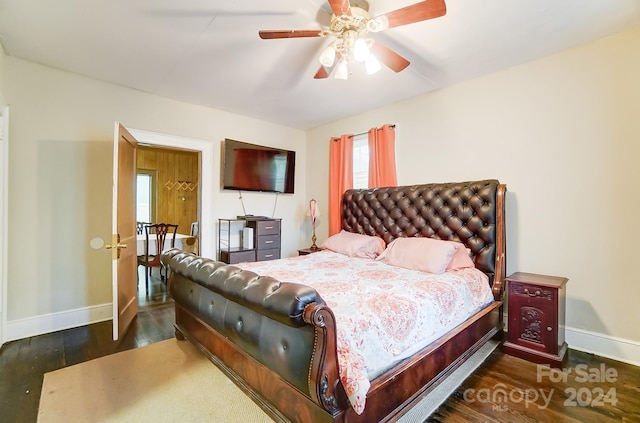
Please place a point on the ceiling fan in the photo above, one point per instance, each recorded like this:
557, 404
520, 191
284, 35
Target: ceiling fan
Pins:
350, 24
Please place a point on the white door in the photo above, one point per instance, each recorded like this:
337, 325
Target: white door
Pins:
123, 239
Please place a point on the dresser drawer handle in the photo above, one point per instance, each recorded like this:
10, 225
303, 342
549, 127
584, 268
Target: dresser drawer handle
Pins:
532, 294
268, 242
268, 255
268, 227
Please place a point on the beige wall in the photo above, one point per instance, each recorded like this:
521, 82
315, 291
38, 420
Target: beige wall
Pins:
60, 180
563, 134
2, 66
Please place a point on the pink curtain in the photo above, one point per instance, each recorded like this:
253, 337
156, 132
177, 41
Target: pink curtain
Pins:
382, 157
340, 178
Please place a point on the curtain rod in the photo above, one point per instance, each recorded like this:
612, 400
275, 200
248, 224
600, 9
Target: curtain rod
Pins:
366, 132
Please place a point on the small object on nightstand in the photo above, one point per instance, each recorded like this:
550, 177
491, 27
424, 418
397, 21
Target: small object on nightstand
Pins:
536, 313
305, 251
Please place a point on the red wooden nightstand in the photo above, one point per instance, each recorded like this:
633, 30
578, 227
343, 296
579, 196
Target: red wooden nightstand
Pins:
536, 316
305, 251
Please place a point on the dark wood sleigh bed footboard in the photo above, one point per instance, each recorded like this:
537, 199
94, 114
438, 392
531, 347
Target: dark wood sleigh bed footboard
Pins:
277, 340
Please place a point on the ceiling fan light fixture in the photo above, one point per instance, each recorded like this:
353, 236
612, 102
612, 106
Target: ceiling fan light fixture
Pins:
372, 65
328, 56
342, 70
361, 50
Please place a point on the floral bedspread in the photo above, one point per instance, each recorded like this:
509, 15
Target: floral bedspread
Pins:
381, 311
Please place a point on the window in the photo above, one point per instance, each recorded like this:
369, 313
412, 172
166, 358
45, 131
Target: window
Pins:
361, 161
145, 196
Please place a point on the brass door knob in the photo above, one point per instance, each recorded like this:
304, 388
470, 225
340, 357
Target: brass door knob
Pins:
118, 246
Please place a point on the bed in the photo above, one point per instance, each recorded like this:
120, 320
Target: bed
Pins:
281, 341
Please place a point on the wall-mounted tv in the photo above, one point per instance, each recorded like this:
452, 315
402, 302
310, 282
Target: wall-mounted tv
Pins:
251, 167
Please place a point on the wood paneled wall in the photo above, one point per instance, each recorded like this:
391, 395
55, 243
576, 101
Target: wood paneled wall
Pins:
177, 184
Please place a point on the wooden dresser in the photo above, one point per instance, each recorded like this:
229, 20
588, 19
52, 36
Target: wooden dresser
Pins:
267, 238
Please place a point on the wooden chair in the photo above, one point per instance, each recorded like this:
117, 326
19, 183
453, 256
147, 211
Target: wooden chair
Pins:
194, 229
156, 235
140, 227
190, 245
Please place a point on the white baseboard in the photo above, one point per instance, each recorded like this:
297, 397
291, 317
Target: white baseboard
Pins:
607, 346
38, 325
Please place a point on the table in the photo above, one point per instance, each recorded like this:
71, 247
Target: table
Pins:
141, 239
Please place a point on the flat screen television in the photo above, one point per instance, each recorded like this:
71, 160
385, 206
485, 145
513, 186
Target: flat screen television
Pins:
251, 167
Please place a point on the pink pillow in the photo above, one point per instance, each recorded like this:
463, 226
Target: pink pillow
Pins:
423, 254
354, 245
460, 259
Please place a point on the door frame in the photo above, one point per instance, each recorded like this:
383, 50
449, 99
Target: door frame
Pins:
205, 217
4, 214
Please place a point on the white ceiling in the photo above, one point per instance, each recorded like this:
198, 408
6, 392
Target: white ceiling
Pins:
208, 52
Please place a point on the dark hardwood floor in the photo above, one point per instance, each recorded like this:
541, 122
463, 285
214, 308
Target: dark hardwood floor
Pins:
24, 362
502, 389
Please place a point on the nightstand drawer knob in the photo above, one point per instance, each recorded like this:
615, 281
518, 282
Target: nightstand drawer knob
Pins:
532, 294
549, 329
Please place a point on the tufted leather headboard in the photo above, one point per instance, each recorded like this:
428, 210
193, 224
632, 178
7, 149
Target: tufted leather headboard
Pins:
468, 212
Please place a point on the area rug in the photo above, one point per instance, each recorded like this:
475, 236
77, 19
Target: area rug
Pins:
172, 381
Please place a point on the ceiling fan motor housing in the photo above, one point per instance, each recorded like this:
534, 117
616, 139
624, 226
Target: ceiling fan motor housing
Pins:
357, 22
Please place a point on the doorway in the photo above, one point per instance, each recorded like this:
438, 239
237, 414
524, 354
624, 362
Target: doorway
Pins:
205, 188
167, 191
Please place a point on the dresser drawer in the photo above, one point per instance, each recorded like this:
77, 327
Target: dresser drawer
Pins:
234, 257
268, 242
270, 254
266, 227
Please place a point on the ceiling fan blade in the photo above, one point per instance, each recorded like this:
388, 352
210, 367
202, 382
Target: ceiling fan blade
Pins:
389, 57
269, 35
422, 11
340, 7
323, 72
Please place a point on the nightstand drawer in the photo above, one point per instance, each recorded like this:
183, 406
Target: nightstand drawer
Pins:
270, 254
532, 292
